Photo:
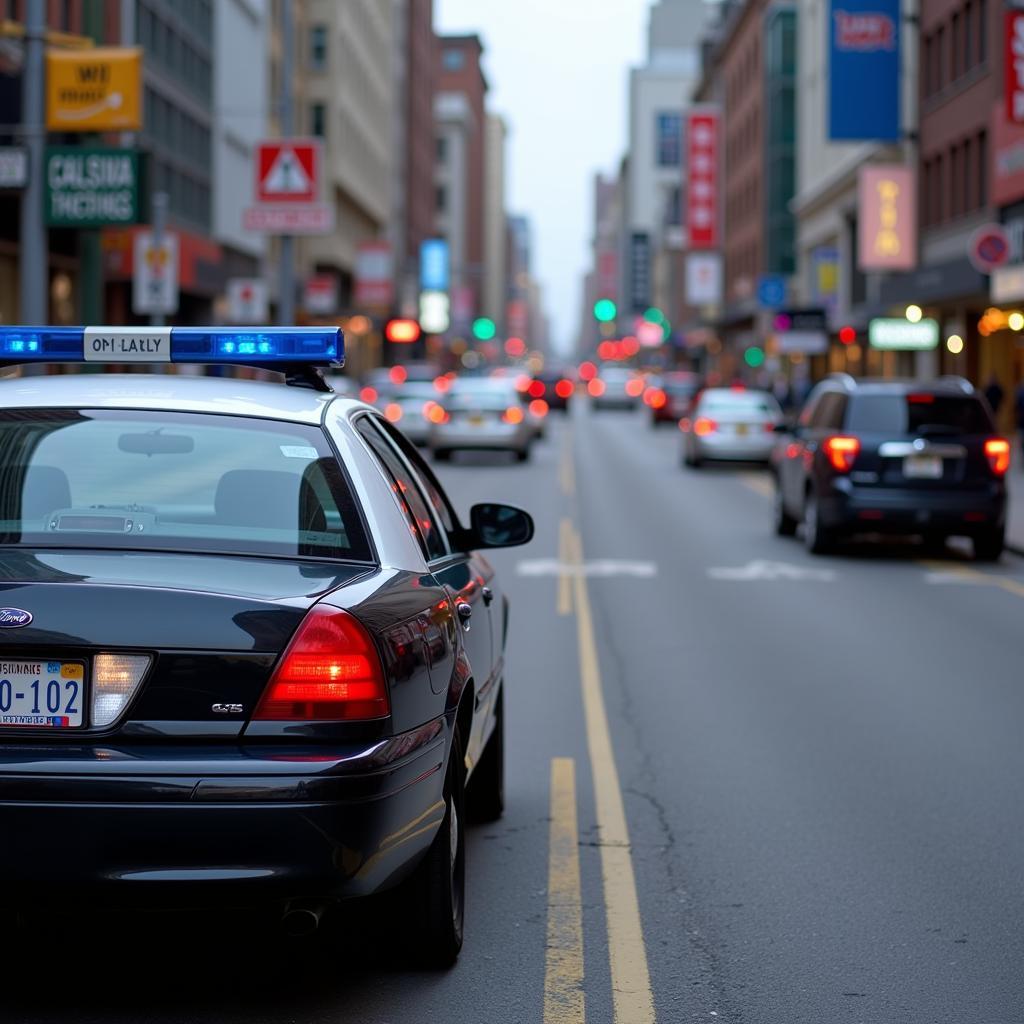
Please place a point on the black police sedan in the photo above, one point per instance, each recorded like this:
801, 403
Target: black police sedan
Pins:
884, 456
248, 653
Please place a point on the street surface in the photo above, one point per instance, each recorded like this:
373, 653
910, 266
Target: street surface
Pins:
819, 761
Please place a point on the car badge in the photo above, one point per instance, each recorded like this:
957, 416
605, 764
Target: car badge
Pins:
12, 618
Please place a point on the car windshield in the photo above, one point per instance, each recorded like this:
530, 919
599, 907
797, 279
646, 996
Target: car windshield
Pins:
919, 413
178, 481
749, 402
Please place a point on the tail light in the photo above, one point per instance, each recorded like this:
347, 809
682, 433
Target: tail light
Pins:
330, 671
564, 388
513, 414
769, 427
595, 387
538, 408
435, 413
997, 451
115, 678
393, 412
702, 426
368, 395
536, 389
635, 387
656, 398
841, 452
684, 424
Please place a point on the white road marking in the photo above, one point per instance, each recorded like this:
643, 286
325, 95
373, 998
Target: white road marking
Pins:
761, 570
597, 567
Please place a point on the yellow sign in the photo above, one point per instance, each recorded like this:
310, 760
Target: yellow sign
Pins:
98, 90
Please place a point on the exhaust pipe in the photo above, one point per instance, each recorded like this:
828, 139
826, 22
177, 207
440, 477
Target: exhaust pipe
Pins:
301, 919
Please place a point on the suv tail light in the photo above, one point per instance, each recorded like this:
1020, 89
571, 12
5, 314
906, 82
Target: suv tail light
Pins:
702, 426
997, 451
329, 671
513, 414
841, 452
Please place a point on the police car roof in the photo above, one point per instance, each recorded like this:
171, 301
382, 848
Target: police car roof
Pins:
164, 392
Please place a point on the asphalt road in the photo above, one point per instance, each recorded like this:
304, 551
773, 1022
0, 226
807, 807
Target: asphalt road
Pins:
819, 761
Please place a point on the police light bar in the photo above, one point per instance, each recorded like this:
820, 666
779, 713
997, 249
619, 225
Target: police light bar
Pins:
282, 348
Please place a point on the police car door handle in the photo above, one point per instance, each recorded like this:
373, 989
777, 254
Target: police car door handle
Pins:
465, 614
488, 595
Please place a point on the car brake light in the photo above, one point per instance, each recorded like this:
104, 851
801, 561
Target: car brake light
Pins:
538, 408
702, 426
921, 399
536, 389
997, 451
841, 452
434, 413
368, 395
658, 399
393, 412
330, 671
595, 387
564, 388
513, 414
635, 387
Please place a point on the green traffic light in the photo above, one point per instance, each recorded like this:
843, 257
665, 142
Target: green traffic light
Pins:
604, 310
484, 329
754, 357
654, 316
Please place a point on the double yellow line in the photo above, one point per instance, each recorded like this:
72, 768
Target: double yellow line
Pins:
632, 998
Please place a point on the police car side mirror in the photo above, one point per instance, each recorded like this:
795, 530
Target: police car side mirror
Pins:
499, 526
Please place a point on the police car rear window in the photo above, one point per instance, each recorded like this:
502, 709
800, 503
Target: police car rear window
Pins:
173, 481
913, 413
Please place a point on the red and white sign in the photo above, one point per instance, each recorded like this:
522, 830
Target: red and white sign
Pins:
375, 267
988, 248
288, 171
247, 300
1013, 63
888, 219
320, 296
864, 31
702, 178
298, 220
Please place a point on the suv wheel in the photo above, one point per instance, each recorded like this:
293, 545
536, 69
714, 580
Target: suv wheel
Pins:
785, 524
818, 539
988, 546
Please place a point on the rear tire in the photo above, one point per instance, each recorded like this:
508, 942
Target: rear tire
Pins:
818, 539
988, 546
523, 456
785, 524
485, 795
438, 887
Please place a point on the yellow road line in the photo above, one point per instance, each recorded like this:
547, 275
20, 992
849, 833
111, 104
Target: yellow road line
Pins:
632, 999
563, 974
756, 482
566, 468
972, 575
565, 550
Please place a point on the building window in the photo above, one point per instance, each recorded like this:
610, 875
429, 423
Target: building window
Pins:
669, 140
969, 60
940, 58
982, 168
453, 59
958, 56
982, 31
442, 149
317, 120
318, 47
440, 198
967, 184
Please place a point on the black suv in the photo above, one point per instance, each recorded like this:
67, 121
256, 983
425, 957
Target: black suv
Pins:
874, 456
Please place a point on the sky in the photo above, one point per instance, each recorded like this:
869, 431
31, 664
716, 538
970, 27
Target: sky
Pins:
558, 74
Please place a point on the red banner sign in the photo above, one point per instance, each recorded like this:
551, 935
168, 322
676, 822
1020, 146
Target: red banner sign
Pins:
1014, 65
702, 179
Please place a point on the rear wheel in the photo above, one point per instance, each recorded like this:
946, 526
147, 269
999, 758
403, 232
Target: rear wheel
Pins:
785, 524
523, 455
485, 795
818, 539
988, 546
438, 887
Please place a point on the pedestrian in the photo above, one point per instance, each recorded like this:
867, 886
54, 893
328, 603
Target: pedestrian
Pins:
994, 393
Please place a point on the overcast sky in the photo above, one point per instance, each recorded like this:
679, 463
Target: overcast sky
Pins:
558, 73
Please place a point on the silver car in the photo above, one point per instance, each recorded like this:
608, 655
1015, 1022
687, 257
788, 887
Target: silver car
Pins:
731, 424
409, 407
483, 415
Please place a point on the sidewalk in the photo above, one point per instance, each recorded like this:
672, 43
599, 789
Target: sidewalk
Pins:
1015, 517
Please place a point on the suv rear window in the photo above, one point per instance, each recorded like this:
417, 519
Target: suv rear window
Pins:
918, 414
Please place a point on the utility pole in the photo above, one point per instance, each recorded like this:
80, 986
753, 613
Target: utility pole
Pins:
34, 255
286, 296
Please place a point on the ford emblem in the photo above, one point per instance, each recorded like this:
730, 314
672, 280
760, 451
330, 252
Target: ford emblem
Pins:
12, 618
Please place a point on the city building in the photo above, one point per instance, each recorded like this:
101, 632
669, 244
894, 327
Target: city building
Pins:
495, 268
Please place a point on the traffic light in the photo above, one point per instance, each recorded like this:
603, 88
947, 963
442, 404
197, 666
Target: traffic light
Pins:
402, 332
484, 329
654, 316
847, 335
754, 357
605, 310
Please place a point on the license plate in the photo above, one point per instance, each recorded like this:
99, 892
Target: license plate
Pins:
923, 467
42, 694
741, 429
476, 419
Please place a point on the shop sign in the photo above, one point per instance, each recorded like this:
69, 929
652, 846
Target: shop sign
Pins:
1013, 66
899, 334
801, 330
13, 166
91, 187
702, 178
94, 90
888, 224
1007, 284
703, 279
374, 274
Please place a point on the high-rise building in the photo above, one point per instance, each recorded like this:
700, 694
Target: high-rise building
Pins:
495, 268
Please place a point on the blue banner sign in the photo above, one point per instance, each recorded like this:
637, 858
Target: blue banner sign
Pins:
864, 72
434, 265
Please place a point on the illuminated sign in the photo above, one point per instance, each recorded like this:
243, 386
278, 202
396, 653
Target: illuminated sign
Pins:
888, 225
900, 334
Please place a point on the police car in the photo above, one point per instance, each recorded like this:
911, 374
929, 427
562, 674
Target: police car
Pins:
249, 655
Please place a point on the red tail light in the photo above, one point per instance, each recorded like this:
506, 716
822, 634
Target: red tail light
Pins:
536, 389
841, 452
434, 412
330, 671
513, 414
702, 426
368, 395
393, 412
565, 388
656, 398
997, 451
769, 427
539, 408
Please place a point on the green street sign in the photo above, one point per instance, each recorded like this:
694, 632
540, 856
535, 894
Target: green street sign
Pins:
91, 186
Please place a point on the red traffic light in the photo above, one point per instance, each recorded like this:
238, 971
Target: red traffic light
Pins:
847, 335
402, 332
